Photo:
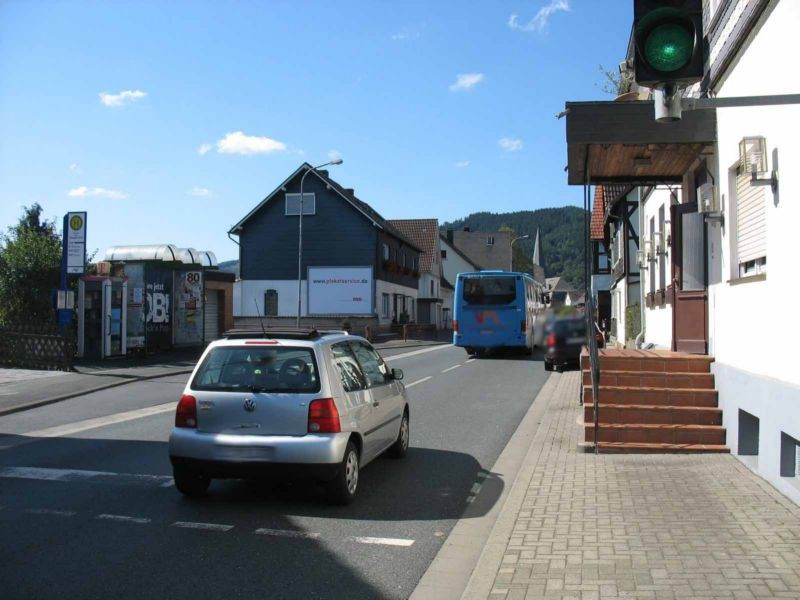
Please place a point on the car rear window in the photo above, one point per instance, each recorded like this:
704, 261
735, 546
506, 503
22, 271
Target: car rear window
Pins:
490, 290
570, 328
258, 368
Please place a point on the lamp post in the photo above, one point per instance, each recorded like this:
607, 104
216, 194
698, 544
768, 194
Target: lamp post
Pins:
335, 161
522, 237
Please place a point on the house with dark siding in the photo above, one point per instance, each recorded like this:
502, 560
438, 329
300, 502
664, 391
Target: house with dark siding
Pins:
344, 239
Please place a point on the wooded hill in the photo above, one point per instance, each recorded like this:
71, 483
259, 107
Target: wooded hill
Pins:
561, 233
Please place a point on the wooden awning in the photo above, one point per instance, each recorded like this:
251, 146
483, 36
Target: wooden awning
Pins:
621, 142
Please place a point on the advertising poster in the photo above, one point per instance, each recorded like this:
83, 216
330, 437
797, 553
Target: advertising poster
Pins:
135, 323
158, 296
341, 291
188, 307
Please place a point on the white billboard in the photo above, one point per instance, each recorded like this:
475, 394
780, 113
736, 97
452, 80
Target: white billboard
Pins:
340, 291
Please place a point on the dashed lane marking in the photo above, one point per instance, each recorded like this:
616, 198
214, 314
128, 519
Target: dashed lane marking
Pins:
73, 475
287, 533
471, 360
50, 511
451, 369
418, 381
123, 519
205, 526
382, 541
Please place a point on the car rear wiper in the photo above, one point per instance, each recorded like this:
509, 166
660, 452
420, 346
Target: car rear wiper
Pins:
257, 389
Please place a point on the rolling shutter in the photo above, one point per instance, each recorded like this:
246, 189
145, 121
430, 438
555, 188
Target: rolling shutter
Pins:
751, 220
211, 315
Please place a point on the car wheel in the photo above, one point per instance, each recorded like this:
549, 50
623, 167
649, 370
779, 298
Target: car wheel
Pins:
190, 483
400, 446
342, 488
470, 350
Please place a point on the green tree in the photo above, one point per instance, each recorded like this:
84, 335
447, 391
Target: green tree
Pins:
30, 259
519, 261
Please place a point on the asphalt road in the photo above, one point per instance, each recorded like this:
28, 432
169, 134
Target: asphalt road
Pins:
88, 510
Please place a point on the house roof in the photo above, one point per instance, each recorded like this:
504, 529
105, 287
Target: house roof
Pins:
598, 215
475, 265
423, 232
577, 297
447, 284
556, 284
365, 209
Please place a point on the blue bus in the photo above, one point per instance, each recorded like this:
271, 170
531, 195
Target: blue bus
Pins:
498, 309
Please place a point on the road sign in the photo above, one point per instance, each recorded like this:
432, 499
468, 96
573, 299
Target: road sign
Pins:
74, 243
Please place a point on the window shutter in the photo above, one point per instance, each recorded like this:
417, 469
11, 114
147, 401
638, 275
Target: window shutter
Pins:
751, 220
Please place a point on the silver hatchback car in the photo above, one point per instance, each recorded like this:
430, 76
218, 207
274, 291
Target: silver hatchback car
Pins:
288, 404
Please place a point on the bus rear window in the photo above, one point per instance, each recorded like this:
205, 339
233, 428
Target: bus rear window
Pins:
490, 290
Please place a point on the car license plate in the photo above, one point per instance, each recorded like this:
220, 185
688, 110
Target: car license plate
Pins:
247, 452
576, 340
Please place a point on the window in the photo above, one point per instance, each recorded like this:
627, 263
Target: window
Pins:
385, 306
258, 368
271, 303
403, 261
444, 254
414, 263
662, 256
751, 227
431, 288
385, 251
652, 259
293, 204
490, 240
490, 290
349, 370
374, 368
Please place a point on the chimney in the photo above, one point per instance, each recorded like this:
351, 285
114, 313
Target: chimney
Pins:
349, 191
450, 236
323, 172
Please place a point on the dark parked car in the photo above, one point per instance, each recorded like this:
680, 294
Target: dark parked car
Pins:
564, 339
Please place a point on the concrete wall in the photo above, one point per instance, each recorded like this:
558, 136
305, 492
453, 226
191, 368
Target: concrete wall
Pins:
753, 333
454, 264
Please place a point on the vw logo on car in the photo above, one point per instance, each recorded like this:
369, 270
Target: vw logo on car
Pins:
249, 405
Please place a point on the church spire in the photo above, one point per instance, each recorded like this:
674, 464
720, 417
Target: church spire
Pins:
537, 250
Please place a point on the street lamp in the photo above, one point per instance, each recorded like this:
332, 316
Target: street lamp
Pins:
335, 161
522, 237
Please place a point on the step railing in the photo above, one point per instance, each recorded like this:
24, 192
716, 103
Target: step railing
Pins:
594, 367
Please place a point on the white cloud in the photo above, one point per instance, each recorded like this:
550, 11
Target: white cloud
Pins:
204, 148
466, 81
410, 33
200, 191
510, 144
121, 98
75, 168
539, 22
98, 192
239, 143
462, 164
334, 155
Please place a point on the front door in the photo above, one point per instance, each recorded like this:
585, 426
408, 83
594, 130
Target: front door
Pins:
689, 291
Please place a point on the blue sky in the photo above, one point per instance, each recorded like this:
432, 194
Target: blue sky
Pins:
168, 122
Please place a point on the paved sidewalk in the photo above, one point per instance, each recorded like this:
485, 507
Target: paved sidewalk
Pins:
23, 389
635, 526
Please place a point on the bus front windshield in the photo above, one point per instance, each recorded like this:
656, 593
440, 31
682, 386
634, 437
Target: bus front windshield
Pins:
490, 290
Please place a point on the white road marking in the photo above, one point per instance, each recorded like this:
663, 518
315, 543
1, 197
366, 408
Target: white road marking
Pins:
122, 518
77, 427
416, 352
44, 474
206, 526
471, 360
418, 381
287, 533
50, 511
451, 369
382, 541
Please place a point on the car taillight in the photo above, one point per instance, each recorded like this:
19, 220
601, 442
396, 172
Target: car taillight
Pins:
523, 326
455, 326
323, 417
186, 414
551, 340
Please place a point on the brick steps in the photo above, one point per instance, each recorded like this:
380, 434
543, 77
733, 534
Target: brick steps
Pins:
652, 396
653, 379
650, 361
617, 447
639, 433
654, 415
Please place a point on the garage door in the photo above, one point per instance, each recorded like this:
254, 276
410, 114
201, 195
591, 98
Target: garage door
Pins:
211, 316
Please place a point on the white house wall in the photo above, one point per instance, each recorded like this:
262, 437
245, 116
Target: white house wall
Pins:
248, 297
386, 287
658, 319
752, 327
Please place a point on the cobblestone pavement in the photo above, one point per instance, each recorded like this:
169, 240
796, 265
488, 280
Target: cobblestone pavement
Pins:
644, 526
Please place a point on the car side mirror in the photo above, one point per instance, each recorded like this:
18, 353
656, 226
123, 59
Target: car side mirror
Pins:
397, 374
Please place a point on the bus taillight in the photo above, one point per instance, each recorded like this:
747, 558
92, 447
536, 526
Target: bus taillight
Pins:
523, 326
455, 326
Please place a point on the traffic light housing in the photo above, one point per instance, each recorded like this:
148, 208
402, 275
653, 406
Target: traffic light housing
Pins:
668, 39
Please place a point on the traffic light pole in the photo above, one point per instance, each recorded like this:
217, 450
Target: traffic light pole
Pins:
738, 101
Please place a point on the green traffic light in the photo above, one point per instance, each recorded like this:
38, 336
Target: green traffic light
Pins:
668, 47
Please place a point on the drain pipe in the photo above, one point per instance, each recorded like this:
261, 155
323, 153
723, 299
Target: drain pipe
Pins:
639, 341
